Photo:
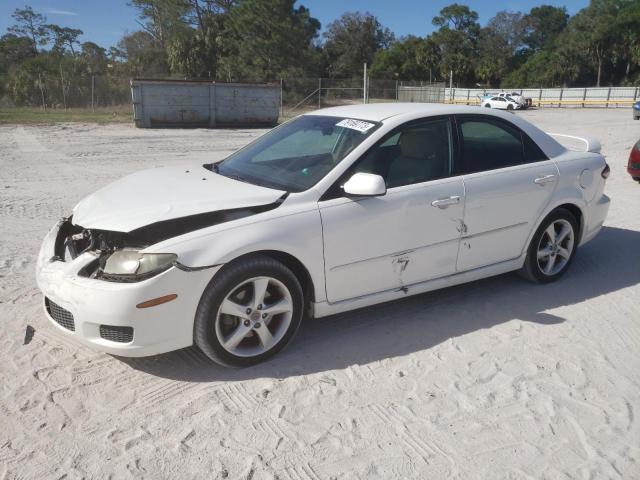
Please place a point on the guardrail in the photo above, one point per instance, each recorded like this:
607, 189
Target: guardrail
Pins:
604, 97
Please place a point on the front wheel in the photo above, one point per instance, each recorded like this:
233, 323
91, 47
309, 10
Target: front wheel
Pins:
487, 105
509, 107
552, 248
249, 311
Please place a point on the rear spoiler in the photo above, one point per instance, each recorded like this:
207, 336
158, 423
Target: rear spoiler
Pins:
591, 144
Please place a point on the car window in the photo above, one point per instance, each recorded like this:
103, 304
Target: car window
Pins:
392, 140
412, 154
296, 155
314, 141
487, 145
532, 152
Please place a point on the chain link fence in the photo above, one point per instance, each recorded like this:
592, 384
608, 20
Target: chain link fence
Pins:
300, 95
62, 91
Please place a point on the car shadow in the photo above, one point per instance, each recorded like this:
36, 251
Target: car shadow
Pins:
606, 264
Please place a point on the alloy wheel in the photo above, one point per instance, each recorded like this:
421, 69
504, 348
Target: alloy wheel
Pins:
254, 316
555, 247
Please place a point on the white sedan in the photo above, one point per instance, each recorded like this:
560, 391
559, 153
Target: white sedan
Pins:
501, 103
516, 97
334, 210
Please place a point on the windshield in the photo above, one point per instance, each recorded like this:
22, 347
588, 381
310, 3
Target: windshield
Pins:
296, 155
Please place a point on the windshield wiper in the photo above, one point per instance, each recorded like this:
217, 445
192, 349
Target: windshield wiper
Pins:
232, 176
216, 169
239, 178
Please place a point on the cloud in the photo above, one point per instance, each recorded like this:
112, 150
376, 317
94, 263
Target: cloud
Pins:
54, 11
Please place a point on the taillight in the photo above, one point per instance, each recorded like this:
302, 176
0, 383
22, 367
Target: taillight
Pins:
606, 171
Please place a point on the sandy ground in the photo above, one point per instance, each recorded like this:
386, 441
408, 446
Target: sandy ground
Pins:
498, 379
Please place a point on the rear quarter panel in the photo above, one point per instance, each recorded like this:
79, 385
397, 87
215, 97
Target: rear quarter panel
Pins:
580, 183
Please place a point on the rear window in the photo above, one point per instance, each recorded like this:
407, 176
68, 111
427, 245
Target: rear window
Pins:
492, 144
489, 146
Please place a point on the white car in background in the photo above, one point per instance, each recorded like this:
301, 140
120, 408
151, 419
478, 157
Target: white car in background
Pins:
516, 97
501, 103
334, 210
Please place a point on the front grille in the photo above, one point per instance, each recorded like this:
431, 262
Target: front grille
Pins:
116, 334
61, 316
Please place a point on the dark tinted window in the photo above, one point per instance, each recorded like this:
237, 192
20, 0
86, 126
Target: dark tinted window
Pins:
489, 146
532, 152
413, 154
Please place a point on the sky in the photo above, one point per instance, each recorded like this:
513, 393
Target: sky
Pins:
106, 21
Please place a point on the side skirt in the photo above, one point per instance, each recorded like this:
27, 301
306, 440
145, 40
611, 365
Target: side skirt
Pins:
323, 309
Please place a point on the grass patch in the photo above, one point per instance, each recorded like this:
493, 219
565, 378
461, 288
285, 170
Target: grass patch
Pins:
86, 115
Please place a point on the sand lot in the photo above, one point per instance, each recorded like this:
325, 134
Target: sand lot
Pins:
498, 379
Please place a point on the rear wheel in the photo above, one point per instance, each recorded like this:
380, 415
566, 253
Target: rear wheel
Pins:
250, 311
552, 248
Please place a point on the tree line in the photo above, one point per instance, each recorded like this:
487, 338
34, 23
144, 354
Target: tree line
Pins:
265, 40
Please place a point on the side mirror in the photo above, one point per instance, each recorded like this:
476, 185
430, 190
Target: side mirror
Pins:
365, 185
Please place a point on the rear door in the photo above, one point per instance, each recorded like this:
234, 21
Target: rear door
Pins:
508, 183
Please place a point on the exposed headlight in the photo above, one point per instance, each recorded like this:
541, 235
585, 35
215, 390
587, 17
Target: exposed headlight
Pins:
135, 265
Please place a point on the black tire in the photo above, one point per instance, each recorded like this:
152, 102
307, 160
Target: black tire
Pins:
487, 105
509, 107
227, 279
531, 269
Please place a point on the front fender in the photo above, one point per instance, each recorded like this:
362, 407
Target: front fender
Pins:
298, 234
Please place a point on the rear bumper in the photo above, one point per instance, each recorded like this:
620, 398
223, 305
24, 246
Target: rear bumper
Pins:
597, 213
93, 303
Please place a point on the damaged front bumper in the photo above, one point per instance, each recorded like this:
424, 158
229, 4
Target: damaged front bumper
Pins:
105, 315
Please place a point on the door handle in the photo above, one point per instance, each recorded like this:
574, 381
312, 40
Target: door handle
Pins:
545, 179
445, 202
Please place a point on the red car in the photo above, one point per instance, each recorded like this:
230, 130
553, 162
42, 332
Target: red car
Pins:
633, 167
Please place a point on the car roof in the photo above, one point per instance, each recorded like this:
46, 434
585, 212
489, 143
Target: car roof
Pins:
379, 112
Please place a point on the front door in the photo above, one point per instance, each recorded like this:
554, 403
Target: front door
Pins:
406, 236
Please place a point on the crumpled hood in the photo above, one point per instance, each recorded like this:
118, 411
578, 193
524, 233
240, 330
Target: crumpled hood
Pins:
166, 193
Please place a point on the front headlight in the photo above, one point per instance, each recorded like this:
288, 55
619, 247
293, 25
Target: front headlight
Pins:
135, 265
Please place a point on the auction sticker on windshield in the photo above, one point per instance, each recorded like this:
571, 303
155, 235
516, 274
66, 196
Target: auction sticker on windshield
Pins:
358, 125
